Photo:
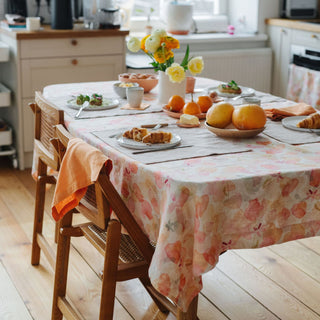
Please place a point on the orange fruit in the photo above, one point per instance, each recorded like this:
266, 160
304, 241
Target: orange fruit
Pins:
191, 108
248, 117
220, 115
176, 103
205, 102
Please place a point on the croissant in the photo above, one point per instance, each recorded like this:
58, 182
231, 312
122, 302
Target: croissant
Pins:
136, 133
310, 122
157, 137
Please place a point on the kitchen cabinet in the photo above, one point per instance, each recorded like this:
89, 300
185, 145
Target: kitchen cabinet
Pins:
283, 34
38, 59
280, 42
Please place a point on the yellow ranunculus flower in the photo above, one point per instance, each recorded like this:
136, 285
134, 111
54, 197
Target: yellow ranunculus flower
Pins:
143, 43
133, 44
152, 43
170, 43
176, 73
196, 65
162, 55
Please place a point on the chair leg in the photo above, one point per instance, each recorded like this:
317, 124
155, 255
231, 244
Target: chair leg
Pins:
38, 213
110, 270
61, 270
147, 284
56, 231
191, 314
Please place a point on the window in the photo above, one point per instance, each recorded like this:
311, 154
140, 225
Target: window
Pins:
155, 7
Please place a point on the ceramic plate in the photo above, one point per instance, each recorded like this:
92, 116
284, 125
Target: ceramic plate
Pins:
232, 132
291, 123
132, 144
246, 92
106, 104
177, 115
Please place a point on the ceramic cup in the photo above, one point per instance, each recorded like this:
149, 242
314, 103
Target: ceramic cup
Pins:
33, 23
134, 96
251, 100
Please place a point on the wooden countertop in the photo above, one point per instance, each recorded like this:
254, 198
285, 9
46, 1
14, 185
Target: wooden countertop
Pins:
48, 33
296, 24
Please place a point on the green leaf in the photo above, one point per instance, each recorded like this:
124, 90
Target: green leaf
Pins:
185, 60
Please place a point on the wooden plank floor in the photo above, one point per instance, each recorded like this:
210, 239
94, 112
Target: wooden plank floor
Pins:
277, 282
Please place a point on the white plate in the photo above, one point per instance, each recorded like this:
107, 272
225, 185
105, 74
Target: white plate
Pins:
291, 123
106, 104
132, 144
245, 92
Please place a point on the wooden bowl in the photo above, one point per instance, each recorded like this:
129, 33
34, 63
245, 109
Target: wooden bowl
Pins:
232, 132
177, 115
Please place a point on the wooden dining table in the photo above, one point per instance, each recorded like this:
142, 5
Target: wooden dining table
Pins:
214, 195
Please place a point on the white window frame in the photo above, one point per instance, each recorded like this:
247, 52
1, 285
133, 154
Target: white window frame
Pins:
138, 23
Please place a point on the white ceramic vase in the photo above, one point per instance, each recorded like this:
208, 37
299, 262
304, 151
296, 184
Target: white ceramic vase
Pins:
167, 89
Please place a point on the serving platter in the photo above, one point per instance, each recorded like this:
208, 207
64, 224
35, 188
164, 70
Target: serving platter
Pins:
245, 92
177, 115
132, 144
106, 104
291, 123
232, 132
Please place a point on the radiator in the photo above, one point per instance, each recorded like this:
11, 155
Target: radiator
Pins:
248, 67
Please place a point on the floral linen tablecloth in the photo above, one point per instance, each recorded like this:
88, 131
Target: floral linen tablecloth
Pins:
197, 208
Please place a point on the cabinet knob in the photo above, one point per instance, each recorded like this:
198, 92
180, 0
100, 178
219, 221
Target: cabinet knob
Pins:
314, 36
74, 42
284, 31
74, 62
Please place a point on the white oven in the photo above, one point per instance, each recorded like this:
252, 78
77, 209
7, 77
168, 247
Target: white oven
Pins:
305, 57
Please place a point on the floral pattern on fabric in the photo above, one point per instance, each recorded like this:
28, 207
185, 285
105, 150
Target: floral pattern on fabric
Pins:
194, 209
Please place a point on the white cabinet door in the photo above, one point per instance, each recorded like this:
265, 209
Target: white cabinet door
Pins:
38, 73
280, 41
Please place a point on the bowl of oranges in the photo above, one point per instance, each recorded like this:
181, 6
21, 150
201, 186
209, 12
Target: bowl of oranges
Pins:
245, 121
177, 106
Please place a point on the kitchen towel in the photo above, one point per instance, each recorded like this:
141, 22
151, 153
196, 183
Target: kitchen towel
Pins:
304, 85
300, 109
80, 168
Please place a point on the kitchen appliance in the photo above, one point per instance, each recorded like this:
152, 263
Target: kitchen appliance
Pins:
305, 57
109, 18
18, 7
298, 9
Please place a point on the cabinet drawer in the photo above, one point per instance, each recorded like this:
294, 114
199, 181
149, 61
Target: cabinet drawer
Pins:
36, 74
42, 48
311, 39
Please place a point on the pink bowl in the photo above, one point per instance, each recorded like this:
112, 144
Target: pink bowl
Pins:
146, 84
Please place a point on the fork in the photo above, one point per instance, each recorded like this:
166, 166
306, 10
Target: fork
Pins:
84, 105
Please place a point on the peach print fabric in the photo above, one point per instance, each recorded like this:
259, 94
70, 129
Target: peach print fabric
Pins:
304, 85
197, 208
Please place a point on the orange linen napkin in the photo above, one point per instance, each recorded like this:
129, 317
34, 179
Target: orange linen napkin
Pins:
80, 168
300, 109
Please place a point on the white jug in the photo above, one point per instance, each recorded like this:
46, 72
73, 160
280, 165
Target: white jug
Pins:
178, 17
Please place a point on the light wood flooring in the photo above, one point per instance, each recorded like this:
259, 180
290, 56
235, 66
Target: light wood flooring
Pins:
278, 282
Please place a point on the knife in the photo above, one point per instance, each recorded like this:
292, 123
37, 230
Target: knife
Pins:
152, 125
152, 150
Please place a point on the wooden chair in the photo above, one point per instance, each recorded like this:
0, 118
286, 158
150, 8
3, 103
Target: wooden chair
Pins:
126, 256
46, 117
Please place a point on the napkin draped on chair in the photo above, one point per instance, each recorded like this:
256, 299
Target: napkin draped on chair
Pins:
75, 177
300, 109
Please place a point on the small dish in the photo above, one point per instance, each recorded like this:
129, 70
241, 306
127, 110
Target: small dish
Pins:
291, 123
184, 125
177, 115
106, 104
122, 91
245, 92
232, 132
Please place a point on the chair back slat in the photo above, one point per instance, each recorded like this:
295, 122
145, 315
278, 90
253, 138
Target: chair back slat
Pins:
46, 117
